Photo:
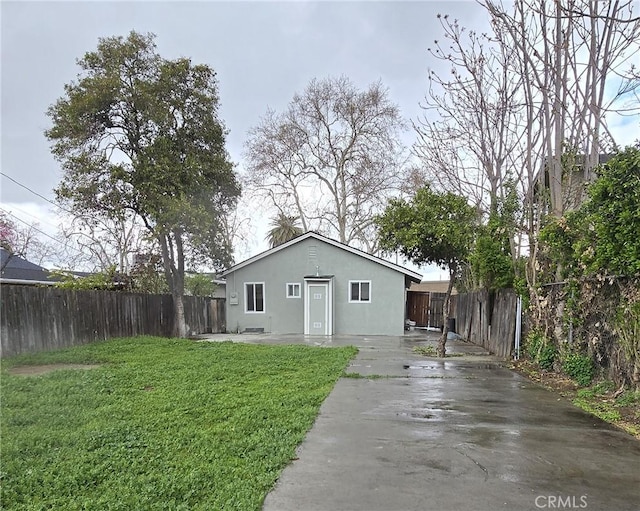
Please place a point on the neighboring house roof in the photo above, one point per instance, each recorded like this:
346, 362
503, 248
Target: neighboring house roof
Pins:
432, 286
413, 276
17, 270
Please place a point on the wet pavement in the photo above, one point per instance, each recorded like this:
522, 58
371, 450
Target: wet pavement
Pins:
463, 433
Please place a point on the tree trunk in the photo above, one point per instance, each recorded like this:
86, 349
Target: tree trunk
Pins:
173, 263
445, 313
179, 323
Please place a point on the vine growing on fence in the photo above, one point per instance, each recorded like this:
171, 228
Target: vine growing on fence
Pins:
593, 314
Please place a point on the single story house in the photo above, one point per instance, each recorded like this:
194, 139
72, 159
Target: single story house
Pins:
314, 285
17, 270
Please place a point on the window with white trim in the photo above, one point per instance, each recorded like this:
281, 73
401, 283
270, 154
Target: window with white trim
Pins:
293, 290
360, 291
254, 296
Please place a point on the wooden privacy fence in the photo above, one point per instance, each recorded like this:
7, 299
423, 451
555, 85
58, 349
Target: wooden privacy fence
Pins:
44, 318
487, 319
425, 308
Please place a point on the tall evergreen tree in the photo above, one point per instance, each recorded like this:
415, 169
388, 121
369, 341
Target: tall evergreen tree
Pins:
141, 133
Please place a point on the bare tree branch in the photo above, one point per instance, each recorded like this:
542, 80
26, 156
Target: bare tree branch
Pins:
332, 158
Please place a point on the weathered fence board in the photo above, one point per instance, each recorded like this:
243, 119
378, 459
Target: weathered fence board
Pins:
487, 319
43, 318
436, 310
418, 307
425, 308
503, 323
217, 314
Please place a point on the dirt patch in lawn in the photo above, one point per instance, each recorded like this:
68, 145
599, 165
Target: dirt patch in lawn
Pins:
37, 370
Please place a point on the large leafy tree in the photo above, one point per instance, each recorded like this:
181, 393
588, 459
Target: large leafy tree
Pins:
431, 228
491, 262
140, 133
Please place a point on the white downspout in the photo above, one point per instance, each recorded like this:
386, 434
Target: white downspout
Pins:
516, 353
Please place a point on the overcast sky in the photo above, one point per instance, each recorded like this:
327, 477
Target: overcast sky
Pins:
263, 53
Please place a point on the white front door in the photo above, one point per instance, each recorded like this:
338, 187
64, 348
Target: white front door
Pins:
317, 309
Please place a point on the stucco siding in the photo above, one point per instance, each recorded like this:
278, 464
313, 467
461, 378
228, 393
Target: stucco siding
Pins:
383, 315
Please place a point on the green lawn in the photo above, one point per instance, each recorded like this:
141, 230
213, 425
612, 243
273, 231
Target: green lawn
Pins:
161, 424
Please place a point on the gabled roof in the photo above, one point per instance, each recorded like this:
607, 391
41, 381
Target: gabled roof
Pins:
17, 269
413, 276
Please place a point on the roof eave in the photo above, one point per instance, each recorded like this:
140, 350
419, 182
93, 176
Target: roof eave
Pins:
29, 282
414, 276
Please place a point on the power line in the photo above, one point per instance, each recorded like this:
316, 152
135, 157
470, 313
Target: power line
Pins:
50, 202
44, 233
27, 188
36, 193
33, 216
74, 215
31, 226
64, 243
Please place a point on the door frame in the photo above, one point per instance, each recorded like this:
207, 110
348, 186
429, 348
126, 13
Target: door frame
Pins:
328, 284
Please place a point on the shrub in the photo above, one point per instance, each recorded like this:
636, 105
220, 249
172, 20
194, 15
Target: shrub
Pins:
540, 350
199, 284
579, 367
547, 357
629, 398
612, 215
533, 343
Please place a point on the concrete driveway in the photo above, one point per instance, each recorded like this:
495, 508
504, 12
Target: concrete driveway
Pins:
462, 433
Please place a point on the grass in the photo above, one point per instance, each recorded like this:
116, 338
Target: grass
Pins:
429, 351
426, 350
359, 376
161, 424
598, 401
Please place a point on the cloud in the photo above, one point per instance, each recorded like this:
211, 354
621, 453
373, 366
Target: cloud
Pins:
263, 53
38, 218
